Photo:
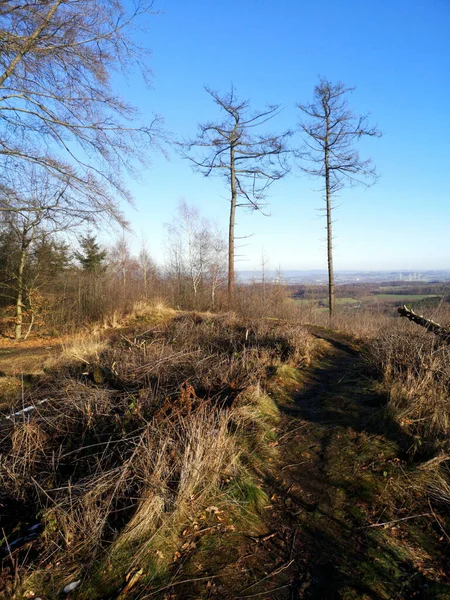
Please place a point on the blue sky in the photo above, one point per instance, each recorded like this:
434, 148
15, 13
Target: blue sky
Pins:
397, 55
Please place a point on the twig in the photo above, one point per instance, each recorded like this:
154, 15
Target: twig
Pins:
272, 574
7, 544
26, 409
396, 521
282, 587
166, 587
291, 552
291, 431
437, 520
294, 465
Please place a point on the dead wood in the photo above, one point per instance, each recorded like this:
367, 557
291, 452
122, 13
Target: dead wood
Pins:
428, 324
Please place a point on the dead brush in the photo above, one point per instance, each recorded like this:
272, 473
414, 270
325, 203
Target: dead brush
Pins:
172, 467
32, 444
218, 357
416, 372
113, 470
28, 454
415, 369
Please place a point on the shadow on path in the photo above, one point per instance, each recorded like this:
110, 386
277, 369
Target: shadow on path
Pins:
338, 468
336, 525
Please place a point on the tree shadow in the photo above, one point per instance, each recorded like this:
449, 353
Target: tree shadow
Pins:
334, 487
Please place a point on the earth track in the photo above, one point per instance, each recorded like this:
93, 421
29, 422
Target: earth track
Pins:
337, 526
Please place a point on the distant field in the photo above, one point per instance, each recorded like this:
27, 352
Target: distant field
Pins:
397, 297
338, 300
370, 299
347, 301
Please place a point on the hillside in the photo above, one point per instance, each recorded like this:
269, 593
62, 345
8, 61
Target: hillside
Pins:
192, 455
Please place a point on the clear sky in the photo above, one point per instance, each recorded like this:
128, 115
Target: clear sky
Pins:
397, 55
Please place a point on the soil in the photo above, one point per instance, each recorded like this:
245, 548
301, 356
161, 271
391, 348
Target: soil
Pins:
342, 521
27, 358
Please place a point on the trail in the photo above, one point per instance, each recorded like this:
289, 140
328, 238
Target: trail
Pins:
340, 477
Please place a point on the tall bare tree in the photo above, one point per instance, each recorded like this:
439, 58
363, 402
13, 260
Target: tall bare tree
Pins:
248, 161
330, 136
57, 107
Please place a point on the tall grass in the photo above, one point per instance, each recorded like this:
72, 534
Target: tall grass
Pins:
415, 367
113, 471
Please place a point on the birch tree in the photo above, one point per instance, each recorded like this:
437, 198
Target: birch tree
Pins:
331, 131
195, 256
147, 269
248, 161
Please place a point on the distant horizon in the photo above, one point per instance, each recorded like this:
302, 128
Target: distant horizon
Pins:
343, 276
354, 270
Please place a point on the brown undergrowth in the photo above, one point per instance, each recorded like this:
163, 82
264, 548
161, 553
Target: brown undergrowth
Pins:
128, 442
416, 370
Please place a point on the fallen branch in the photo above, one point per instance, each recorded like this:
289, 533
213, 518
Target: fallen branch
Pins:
428, 324
395, 521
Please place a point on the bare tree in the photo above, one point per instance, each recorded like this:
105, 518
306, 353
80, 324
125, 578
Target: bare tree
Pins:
329, 152
147, 268
26, 224
187, 248
58, 110
249, 162
195, 252
121, 261
215, 263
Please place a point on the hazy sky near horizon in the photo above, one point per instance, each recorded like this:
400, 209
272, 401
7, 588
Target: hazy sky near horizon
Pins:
397, 55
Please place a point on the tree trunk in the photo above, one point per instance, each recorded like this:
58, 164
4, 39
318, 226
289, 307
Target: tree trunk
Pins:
20, 290
329, 237
330, 258
231, 229
213, 293
144, 272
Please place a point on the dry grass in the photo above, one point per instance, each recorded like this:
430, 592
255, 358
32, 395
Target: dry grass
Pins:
155, 311
114, 471
10, 391
415, 367
80, 348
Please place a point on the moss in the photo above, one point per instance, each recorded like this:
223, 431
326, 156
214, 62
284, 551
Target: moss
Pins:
285, 380
247, 493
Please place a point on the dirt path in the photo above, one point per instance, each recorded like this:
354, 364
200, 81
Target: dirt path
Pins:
342, 474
